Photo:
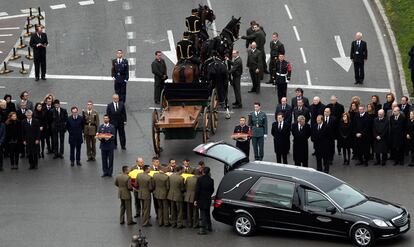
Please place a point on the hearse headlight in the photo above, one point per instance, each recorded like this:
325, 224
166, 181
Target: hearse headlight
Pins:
381, 223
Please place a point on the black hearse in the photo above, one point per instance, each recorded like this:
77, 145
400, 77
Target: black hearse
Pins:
262, 194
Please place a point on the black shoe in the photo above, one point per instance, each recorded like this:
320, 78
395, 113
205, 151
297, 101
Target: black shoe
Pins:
356, 83
136, 216
122, 223
44, 78
132, 223
202, 232
78, 164
123, 148
251, 91
234, 103
103, 176
72, 164
89, 159
237, 106
55, 157
366, 164
37, 79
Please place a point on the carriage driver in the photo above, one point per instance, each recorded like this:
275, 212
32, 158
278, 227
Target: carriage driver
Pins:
193, 22
185, 50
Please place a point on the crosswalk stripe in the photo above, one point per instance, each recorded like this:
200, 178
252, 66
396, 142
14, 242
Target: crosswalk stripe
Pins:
58, 6
3, 13
88, 2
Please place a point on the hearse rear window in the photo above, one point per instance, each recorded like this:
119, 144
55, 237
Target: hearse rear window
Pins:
271, 192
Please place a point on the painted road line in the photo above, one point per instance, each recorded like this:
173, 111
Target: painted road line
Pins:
58, 6
171, 54
132, 61
288, 11
27, 11
130, 35
126, 5
9, 28
6, 35
303, 55
382, 44
2, 41
112, 0
103, 105
128, 20
132, 49
12, 16
132, 74
213, 25
17, 65
3, 13
296, 33
343, 61
308, 78
88, 2
1, 52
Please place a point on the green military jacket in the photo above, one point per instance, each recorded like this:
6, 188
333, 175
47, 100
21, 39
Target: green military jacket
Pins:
91, 122
177, 188
145, 185
161, 186
190, 186
124, 186
258, 124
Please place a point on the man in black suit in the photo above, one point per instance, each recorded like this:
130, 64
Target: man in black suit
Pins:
120, 73
380, 129
396, 140
202, 199
301, 110
337, 110
284, 109
236, 72
21, 112
159, 69
411, 64
38, 42
359, 54
47, 109
281, 138
75, 127
362, 132
31, 138
331, 128
299, 96
301, 132
59, 119
405, 106
319, 137
316, 109
117, 115
254, 63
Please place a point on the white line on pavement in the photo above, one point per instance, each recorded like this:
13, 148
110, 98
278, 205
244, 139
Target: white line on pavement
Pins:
103, 105
130, 35
58, 6
213, 25
6, 35
126, 6
9, 28
22, 52
17, 65
131, 61
3, 13
132, 74
303, 55
308, 78
132, 49
128, 20
382, 44
12, 16
1, 52
27, 11
288, 11
87, 2
112, 0
2, 41
296, 33
171, 54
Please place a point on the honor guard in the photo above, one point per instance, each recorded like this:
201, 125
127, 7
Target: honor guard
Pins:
120, 74
243, 142
91, 121
193, 22
258, 123
185, 48
281, 72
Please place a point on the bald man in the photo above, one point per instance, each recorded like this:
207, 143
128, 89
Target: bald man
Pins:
359, 54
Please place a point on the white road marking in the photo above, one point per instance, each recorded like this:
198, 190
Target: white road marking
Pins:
27, 11
132, 49
112, 0
171, 54
130, 35
2, 41
3, 13
12, 16
131, 61
22, 52
288, 11
103, 105
132, 74
296, 33
128, 20
303, 55
87, 2
6, 35
213, 25
58, 6
1, 52
308, 78
343, 61
382, 44
9, 28
17, 65
267, 57
126, 5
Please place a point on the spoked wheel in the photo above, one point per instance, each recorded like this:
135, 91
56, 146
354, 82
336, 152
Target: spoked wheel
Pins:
163, 100
156, 132
214, 111
206, 124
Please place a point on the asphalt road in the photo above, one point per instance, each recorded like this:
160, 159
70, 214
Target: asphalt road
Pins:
62, 206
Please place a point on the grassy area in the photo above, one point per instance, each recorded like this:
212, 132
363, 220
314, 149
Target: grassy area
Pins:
401, 15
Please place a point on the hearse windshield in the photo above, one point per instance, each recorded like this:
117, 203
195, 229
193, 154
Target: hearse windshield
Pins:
346, 197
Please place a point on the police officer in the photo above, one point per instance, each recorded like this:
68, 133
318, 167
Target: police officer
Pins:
175, 195
122, 181
258, 123
91, 121
281, 72
145, 185
193, 22
161, 187
120, 73
243, 143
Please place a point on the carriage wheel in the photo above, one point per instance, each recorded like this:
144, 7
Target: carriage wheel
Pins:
214, 110
206, 125
163, 100
156, 133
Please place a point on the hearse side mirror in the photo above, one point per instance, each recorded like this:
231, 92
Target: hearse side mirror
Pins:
331, 209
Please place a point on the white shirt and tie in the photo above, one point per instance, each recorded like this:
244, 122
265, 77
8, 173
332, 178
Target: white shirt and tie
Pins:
280, 125
29, 121
319, 126
116, 106
327, 120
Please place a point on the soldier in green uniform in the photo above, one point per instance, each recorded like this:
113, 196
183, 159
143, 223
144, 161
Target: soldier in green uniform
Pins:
192, 210
175, 195
124, 194
139, 163
258, 124
187, 167
91, 121
161, 187
172, 165
145, 185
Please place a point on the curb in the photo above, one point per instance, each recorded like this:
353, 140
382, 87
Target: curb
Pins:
395, 48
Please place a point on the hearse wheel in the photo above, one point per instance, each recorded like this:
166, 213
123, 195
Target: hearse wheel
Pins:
244, 225
362, 236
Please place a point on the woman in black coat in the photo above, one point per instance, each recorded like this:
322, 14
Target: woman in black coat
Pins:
11, 107
13, 139
388, 105
346, 137
410, 136
40, 115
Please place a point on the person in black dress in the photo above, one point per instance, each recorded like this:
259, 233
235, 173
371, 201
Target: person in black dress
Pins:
375, 101
388, 105
13, 139
345, 136
410, 137
11, 107
40, 115
371, 116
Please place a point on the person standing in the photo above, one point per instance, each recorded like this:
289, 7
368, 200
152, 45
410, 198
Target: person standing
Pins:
380, 130
285, 109
397, 131
410, 137
191, 209
107, 147
13, 139
281, 138
161, 188
243, 143
118, 118
405, 106
39, 114
59, 119
145, 185
187, 167
139, 165
316, 109
159, 69
281, 73
75, 127
301, 110
359, 54
11, 107
249, 32
24, 99
39, 42
254, 63
361, 132
276, 48
202, 199
331, 128
337, 110
321, 144
47, 108
176, 196
301, 132
258, 124
120, 74
2, 142
258, 37
123, 183
236, 72
299, 96
91, 124
345, 137
411, 64
31, 138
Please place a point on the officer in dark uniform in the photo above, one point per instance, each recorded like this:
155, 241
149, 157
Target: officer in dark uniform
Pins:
38, 42
193, 22
120, 73
185, 49
281, 71
243, 143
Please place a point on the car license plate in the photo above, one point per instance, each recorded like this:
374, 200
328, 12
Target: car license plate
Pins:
404, 228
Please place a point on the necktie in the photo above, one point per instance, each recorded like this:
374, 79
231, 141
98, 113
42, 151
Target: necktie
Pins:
89, 113
48, 107
30, 122
116, 106
361, 115
396, 118
327, 119
256, 113
280, 126
300, 108
119, 60
319, 127
403, 106
300, 128
23, 110
283, 107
